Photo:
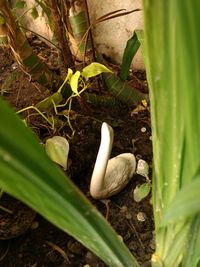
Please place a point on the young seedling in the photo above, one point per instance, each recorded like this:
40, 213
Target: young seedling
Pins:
142, 191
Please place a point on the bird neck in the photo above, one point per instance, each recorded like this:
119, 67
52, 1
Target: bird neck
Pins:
103, 156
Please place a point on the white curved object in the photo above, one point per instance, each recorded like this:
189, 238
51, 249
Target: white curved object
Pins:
110, 176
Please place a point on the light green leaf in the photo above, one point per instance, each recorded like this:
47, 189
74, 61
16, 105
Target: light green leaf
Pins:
186, 203
141, 192
74, 82
67, 78
27, 173
57, 149
94, 69
34, 13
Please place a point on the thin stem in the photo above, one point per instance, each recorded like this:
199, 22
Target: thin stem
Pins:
5, 209
36, 109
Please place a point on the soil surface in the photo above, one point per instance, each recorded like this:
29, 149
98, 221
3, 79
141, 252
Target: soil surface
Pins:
27, 239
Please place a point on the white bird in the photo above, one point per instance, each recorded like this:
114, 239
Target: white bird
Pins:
110, 176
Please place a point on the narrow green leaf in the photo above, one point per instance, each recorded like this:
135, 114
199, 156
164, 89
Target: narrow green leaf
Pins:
172, 41
131, 48
74, 82
27, 173
67, 78
192, 252
94, 69
186, 203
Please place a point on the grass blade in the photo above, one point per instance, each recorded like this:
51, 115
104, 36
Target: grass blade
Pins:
185, 204
172, 40
192, 255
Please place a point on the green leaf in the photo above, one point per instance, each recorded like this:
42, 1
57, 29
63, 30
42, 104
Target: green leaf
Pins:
57, 149
74, 82
27, 173
186, 203
67, 78
47, 104
172, 41
141, 192
94, 69
130, 50
121, 89
34, 13
20, 4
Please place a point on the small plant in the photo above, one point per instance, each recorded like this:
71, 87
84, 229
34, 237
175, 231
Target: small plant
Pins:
78, 82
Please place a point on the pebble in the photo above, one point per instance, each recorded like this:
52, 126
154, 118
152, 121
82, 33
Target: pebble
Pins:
143, 129
141, 216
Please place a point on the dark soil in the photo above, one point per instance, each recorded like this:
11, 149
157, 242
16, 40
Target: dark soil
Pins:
41, 243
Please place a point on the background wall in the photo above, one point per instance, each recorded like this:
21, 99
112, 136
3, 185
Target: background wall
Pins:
110, 36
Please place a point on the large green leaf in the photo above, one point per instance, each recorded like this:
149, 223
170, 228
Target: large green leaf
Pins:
172, 41
27, 173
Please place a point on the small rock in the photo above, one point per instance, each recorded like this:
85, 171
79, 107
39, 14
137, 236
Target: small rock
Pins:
141, 216
143, 129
